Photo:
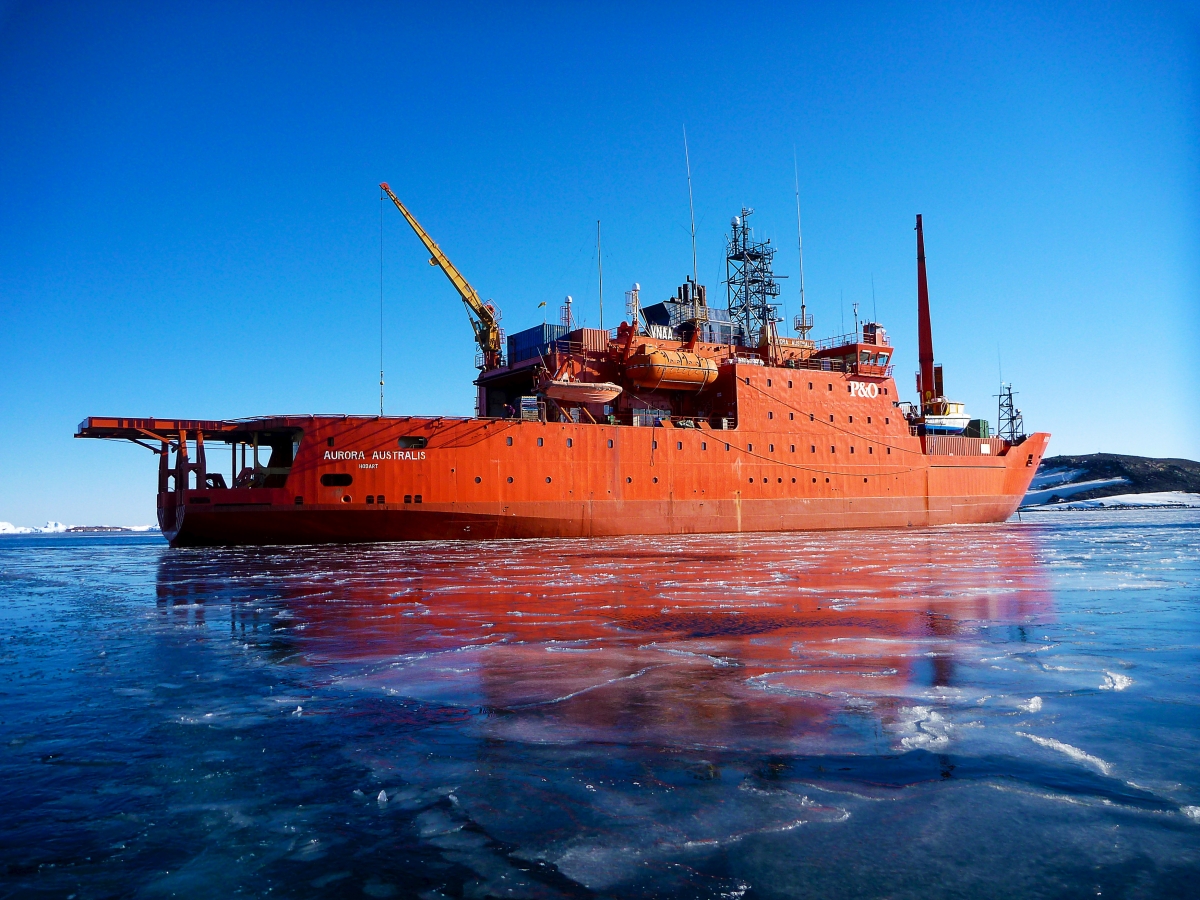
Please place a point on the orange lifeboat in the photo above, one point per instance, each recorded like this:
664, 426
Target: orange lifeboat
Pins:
676, 370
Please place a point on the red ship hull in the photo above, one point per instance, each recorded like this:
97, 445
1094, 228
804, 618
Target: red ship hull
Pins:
811, 452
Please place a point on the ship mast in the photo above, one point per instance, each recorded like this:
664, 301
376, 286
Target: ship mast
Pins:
924, 328
803, 322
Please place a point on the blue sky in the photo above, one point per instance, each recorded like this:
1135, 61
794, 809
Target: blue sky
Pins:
189, 217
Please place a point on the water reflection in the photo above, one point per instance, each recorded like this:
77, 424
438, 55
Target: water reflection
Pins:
769, 641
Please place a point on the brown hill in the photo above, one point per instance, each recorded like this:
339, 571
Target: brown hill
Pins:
1145, 475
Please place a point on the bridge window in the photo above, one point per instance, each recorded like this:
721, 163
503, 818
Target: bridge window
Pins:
329, 442
793, 450
508, 442
380, 499
812, 448
887, 420
654, 445
851, 420
889, 449
337, 479
789, 384
703, 445
810, 385
411, 442
569, 443
770, 448
417, 498
768, 382
791, 416
679, 445
610, 443
770, 415
749, 448
370, 499
541, 442
408, 498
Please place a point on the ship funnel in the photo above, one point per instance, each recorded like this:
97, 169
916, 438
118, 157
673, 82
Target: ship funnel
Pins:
928, 388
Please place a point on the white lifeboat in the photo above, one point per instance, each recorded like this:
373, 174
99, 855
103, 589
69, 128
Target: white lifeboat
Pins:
582, 391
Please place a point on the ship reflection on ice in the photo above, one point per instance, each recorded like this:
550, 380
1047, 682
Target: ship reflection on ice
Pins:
766, 642
612, 711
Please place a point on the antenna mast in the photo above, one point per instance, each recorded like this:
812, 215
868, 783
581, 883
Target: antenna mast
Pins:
803, 323
691, 206
381, 302
600, 266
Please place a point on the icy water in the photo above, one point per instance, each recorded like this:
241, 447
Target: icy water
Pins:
961, 712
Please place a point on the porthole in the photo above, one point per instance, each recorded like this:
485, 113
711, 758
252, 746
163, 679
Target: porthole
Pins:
679, 445
569, 443
814, 481
703, 445
510, 479
827, 481
655, 479
478, 479
752, 481
337, 479
346, 498
610, 443
864, 481
508, 442
540, 442
789, 384
793, 481
547, 479
780, 480
764, 481
628, 480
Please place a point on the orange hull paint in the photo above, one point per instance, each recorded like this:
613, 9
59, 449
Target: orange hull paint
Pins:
811, 451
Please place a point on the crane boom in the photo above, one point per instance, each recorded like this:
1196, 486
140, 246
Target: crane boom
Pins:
484, 316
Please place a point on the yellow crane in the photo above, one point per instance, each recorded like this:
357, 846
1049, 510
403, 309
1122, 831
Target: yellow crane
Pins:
484, 316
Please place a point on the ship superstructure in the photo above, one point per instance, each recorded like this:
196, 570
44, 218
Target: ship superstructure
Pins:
686, 418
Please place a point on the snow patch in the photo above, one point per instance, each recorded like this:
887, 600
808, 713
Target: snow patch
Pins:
1073, 752
924, 728
1154, 500
1115, 681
